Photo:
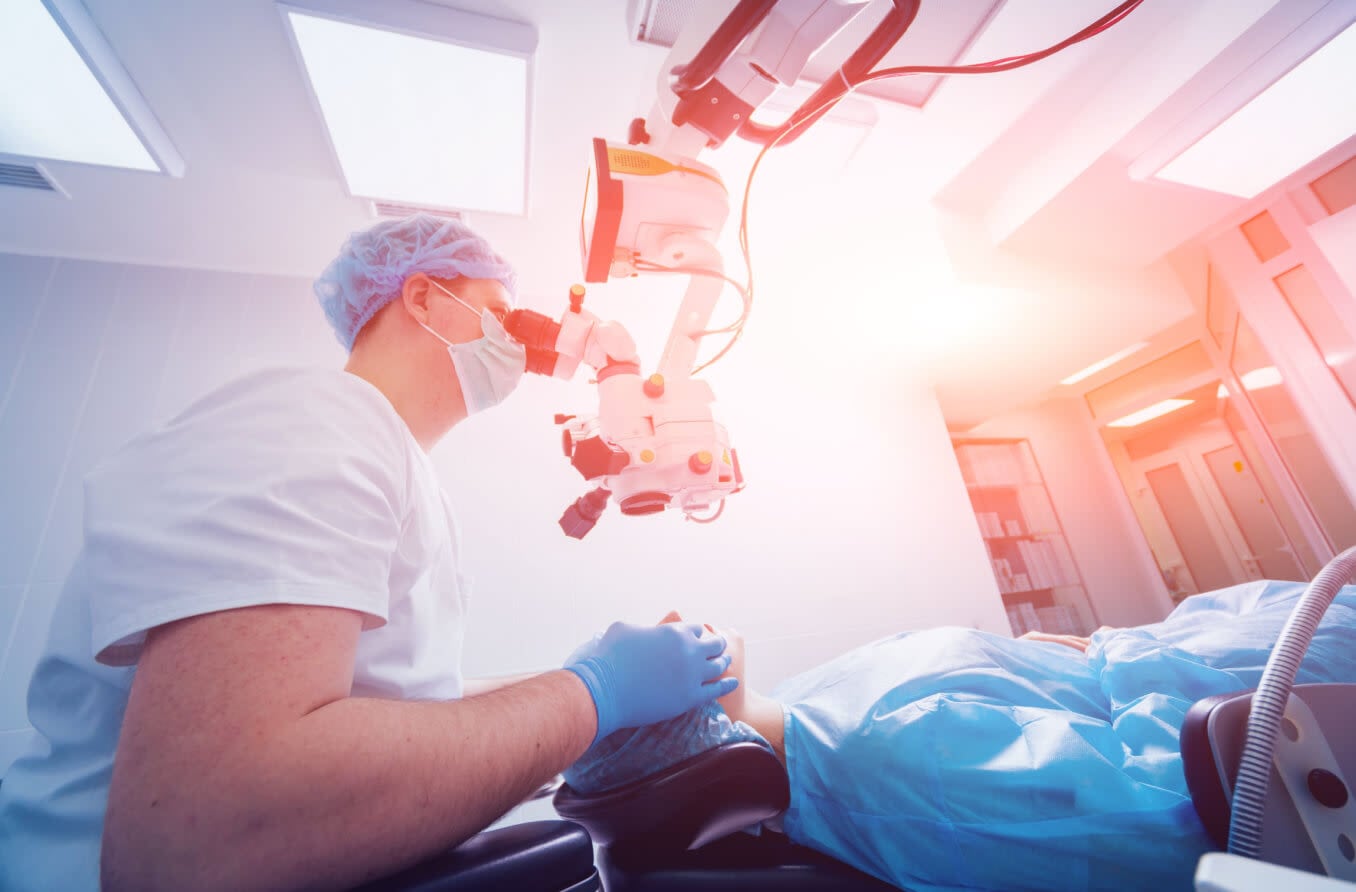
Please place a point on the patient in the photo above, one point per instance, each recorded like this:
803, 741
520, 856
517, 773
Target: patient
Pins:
959, 759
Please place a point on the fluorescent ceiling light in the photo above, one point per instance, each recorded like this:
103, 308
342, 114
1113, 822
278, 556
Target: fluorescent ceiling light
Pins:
1299, 117
1152, 412
65, 96
422, 118
1257, 379
1105, 363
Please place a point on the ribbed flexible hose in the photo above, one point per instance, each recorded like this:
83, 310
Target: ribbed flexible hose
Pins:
1268, 704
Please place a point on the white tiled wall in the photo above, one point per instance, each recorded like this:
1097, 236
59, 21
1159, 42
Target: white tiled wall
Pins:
90, 355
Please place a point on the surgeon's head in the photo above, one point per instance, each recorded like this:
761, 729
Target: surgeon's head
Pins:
419, 303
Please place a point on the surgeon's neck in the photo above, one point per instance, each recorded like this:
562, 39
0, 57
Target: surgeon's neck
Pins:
429, 412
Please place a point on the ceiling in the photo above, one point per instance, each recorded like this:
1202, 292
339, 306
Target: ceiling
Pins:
996, 228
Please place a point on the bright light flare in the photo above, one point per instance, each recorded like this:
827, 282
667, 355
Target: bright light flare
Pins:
1148, 414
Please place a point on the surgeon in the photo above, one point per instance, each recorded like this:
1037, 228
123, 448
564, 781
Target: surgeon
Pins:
252, 678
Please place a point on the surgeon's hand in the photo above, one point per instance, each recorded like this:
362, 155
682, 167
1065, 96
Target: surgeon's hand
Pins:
638, 675
734, 703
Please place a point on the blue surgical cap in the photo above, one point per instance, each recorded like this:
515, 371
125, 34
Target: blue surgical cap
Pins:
373, 265
634, 753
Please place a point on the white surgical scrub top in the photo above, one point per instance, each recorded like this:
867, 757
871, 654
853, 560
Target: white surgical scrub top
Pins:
295, 486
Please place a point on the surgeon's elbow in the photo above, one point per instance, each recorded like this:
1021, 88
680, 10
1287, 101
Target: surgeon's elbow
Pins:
120, 871
122, 864
144, 851
133, 855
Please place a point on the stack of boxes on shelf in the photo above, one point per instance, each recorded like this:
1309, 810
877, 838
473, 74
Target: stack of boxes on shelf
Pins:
987, 466
1027, 617
1035, 506
1026, 546
993, 526
1042, 569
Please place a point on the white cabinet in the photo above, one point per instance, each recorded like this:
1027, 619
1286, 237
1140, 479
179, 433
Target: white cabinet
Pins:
1037, 576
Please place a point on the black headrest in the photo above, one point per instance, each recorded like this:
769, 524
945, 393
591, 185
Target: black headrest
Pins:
700, 799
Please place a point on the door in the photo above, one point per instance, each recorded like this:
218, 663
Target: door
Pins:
1269, 553
1203, 549
1215, 512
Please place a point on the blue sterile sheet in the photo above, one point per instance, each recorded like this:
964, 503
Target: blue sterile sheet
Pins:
957, 759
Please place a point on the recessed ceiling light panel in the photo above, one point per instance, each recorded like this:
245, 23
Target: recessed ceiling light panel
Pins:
1273, 118
65, 96
427, 106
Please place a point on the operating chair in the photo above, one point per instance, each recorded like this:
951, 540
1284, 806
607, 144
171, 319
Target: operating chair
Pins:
675, 831
682, 829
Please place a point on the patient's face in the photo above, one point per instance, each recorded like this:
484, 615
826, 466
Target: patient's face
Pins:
733, 702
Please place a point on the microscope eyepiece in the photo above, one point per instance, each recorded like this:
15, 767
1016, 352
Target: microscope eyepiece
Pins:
583, 513
532, 329
537, 332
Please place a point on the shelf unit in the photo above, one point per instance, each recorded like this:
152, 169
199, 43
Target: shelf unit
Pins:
1038, 578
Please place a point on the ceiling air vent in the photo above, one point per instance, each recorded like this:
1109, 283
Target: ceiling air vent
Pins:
398, 209
659, 21
25, 176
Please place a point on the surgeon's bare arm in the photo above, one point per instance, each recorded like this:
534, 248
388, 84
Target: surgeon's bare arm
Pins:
244, 763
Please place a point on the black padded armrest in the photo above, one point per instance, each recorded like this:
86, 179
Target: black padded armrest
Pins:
738, 863
538, 856
1202, 770
701, 799
1214, 732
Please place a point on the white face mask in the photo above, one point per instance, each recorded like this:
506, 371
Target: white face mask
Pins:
488, 368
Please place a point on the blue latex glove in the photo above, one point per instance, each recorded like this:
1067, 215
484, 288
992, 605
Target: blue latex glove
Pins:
638, 675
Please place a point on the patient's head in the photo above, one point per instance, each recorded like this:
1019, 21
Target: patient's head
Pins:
630, 754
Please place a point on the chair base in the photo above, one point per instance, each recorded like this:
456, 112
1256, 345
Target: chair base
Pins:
740, 862
538, 856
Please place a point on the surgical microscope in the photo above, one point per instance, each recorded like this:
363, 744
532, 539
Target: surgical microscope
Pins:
652, 207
